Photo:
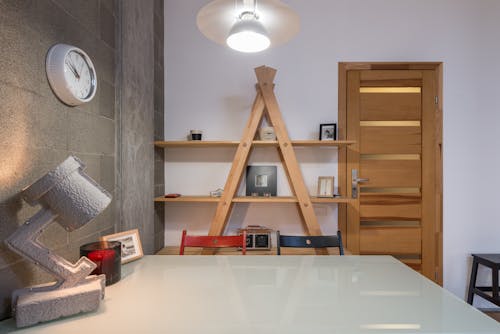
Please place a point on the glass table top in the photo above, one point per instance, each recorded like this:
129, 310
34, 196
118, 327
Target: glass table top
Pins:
272, 294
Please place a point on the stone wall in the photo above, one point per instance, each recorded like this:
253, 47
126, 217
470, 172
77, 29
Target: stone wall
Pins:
112, 134
136, 152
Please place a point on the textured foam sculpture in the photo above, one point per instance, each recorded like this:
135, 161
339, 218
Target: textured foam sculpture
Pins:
70, 197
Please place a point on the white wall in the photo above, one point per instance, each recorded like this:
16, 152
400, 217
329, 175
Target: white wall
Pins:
210, 87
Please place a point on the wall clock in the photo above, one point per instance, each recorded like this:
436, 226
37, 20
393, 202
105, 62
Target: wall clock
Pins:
71, 74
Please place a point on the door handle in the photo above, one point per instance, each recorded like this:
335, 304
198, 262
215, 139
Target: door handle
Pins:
354, 182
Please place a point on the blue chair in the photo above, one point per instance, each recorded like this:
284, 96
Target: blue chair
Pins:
320, 241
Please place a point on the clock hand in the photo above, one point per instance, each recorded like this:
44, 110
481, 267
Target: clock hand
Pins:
77, 74
81, 68
73, 69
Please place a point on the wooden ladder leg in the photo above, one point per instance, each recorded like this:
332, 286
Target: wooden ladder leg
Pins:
265, 77
240, 160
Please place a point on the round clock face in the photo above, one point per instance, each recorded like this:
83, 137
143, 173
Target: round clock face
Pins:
71, 74
78, 74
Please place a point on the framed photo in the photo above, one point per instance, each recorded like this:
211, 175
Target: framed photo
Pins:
131, 244
261, 181
328, 131
325, 186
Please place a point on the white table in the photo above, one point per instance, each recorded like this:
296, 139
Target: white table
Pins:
272, 294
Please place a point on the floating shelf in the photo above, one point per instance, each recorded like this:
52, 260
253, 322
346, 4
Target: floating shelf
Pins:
252, 199
196, 143
235, 143
338, 143
332, 200
188, 199
261, 199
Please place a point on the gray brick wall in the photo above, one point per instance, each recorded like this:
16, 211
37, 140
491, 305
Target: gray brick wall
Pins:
159, 174
37, 131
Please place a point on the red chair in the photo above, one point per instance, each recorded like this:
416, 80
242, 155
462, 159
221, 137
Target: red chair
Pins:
213, 241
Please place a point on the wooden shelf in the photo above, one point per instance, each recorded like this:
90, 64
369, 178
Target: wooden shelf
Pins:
289, 199
338, 143
332, 200
252, 199
196, 143
188, 199
235, 143
264, 143
260, 199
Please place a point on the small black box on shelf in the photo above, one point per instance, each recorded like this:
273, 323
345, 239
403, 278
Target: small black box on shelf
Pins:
258, 237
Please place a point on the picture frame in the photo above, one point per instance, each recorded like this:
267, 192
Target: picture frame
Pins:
258, 237
131, 244
261, 181
326, 186
328, 131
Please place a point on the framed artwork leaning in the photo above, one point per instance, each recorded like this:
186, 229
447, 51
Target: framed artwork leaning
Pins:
328, 131
261, 181
131, 244
325, 186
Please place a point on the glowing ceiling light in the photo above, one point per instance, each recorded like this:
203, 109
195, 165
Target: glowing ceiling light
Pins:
248, 34
243, 26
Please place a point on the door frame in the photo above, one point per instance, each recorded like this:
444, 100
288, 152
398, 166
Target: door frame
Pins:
433, 234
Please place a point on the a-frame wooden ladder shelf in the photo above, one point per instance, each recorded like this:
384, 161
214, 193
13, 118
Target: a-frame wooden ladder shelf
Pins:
265, 105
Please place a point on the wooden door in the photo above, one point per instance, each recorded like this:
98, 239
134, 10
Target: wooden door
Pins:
393, 113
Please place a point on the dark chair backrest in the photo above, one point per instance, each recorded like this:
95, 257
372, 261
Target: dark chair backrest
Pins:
320, 241
213, 241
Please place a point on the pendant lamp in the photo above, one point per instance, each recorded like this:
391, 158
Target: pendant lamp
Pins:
248, 34
248, 25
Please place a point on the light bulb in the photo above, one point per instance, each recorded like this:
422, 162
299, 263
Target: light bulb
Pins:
248, 35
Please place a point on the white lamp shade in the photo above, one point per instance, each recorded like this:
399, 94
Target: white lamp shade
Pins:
248, 35
216, 20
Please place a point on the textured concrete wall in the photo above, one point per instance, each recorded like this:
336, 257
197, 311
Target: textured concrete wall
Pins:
159, 128
37, 131
135, 139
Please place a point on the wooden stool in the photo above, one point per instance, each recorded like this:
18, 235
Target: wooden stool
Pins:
489, 260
